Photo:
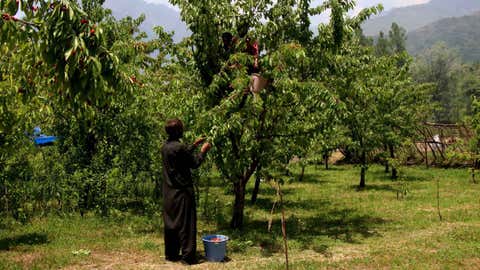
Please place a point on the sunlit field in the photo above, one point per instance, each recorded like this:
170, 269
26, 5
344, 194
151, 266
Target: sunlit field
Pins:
330, 224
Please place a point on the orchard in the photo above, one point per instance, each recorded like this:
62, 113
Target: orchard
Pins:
105, 90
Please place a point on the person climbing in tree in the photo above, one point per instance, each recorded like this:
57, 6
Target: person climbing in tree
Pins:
228, 45
179, 208
257, 82
253, 50
244, 43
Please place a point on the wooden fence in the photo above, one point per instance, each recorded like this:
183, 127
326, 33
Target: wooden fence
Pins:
434, 139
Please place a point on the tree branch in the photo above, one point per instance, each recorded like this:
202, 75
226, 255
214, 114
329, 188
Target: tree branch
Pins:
7, 17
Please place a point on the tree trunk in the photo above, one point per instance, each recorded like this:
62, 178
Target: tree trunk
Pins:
362, 178
256, 188
394, 173
474, 168
6, 195
325, 158
387, 165
473, 175
302, 174
104, 199
392, 156
364, 169
239, 204
239, 189
426, 153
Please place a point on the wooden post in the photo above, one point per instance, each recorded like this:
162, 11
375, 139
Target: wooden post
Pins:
207, 193
279, 201
438, 199
284, 225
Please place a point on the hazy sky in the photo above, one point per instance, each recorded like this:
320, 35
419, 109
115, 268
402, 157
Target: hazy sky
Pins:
361, 3
388, 4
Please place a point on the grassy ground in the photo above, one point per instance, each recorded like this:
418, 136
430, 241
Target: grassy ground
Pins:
330, 225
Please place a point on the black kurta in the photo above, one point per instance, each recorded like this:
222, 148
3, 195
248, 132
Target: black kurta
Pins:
179, 209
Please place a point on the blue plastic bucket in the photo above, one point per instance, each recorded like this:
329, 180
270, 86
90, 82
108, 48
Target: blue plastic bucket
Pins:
215, 247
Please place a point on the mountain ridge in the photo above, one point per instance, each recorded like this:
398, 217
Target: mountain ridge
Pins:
417, 16
460, 33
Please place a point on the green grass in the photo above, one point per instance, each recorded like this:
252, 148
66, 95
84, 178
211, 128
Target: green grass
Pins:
330, 224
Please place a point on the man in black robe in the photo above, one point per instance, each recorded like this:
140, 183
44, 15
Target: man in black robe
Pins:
179, 209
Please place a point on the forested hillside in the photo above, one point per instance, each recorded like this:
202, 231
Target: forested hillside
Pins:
462, 34
414, 17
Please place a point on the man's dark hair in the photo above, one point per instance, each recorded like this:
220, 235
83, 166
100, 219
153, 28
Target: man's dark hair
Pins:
174, 129
227, 36
242, 28
227, 39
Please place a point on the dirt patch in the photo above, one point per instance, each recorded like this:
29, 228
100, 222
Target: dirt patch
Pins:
473, 263
466, 207
27, 260
404, 239
131, 260
123, 261
341, 254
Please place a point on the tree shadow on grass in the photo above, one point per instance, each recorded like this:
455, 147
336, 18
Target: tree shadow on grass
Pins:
412, 178
334, 168
345, 225
30, 239
267, 190
374, 187
321, 168
381, 175
311, 178
267, 203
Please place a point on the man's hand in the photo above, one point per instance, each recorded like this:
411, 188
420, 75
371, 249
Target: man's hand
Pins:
206, 147
198, 141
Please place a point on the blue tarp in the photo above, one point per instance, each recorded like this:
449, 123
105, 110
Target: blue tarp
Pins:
41, 139
44, 140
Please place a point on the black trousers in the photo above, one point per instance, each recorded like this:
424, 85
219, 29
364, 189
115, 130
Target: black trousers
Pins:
180, 221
